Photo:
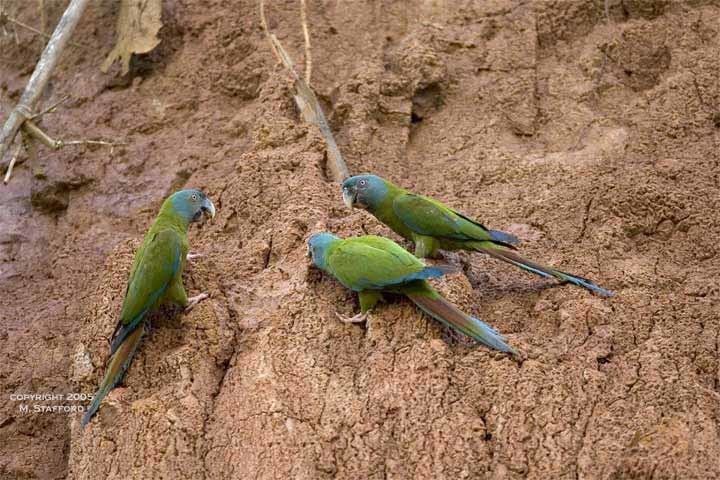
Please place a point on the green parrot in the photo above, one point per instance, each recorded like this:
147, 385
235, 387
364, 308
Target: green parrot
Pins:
155, 278
432, 226
371, 265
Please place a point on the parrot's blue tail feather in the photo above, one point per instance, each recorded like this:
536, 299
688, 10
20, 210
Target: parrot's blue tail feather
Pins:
440, 309
432, 271
527, 265
585, 283
504, 237
118, 365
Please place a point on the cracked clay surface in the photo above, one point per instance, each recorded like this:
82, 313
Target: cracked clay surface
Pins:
595, 140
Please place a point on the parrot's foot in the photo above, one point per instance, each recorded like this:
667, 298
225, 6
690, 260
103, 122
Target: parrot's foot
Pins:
193, 256
192, 301
359, 318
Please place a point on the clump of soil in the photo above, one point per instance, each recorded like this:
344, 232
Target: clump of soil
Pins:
593, 138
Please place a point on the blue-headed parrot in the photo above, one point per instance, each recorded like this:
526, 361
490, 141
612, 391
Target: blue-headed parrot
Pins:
155, 278
371, 265
433, 226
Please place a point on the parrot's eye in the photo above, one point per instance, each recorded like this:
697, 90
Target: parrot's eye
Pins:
363, 183
194, 196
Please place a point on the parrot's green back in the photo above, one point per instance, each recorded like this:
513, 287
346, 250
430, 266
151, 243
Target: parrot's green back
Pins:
411, 215
426, 216
156, 275
373, 263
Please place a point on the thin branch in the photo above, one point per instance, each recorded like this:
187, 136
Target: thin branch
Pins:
51, 108
307, 102
27, 27
32, 129
112, 145
4, 19
42, 73
306, 33
11, 165
17, 22
43, 17
263, 20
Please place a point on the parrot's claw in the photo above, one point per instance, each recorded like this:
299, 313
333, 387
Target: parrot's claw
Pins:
359, 318
192, 301
193, 256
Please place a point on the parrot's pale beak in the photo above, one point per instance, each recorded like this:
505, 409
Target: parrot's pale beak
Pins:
209, 208
348, 197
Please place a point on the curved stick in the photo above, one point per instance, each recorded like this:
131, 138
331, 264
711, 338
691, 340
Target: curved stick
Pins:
41, 75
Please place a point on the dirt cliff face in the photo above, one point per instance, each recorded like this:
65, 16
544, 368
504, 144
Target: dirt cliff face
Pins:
592, 138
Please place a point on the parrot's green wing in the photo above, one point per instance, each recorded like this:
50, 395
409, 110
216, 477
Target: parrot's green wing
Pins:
388, 246
372, 263
157, 264
429, 217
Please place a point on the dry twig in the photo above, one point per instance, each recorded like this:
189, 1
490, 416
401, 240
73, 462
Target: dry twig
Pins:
305, 98
51, 108
31, 129
43, 17
41, 75
4, 18
11, 165
306, 34
26, 26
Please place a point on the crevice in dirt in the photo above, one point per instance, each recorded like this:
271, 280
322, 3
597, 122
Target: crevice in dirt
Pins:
588, 206
271, 385
267, 253
325, 169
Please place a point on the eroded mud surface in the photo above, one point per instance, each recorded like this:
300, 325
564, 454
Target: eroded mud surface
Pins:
594, 139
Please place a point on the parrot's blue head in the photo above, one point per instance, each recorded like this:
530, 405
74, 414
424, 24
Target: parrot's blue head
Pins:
190, 205
318, 244
364, 191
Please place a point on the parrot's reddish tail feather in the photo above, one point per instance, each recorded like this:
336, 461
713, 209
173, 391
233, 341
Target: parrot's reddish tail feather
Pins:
116, 368
447, 313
